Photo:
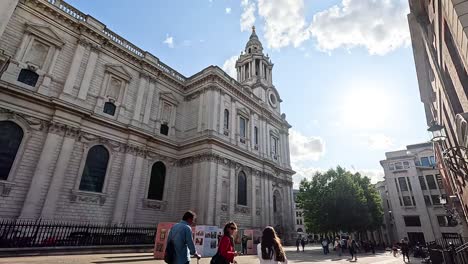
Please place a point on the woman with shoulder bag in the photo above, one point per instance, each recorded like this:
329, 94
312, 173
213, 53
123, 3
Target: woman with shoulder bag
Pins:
226, 251
270, 250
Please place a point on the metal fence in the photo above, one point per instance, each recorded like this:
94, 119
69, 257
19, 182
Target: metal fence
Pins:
39, 233
450, 249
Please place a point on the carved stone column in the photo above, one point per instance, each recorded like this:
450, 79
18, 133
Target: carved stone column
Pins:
124, 187
50, 203
139, 100
232, 192
7, 7
89, 72
149, 102
75, 66
134, 190
253, 198
32, 207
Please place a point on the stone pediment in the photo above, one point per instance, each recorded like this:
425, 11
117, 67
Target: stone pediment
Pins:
168, 96
45, 33
119, 71
243, 111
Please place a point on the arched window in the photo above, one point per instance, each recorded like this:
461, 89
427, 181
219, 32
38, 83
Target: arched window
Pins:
156, 186
109, 108
10, 139
299, 230
164, 129
28, 77
226, 119
94, 172
242, 189
274, 204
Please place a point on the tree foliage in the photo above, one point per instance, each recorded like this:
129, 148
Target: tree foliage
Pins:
339, 200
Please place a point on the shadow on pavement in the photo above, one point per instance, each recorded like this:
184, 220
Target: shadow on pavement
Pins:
128, 260
131, 256
315, 254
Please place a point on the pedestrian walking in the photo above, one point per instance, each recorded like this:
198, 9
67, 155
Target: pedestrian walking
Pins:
338, 246
180, 242
353, 247
270, 250
226, 246
404, 247
325, 246
298, 242
303, 242
245, 239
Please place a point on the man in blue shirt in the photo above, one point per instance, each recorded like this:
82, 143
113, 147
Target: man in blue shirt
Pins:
181, 234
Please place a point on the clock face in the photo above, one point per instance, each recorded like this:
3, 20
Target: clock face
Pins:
272, 99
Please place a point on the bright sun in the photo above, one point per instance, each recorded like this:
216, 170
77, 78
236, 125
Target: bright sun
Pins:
366, 108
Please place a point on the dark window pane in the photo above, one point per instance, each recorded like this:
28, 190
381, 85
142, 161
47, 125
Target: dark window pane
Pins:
442, 220
109, 108
403, 185
398, 166
435, 199
95, 169
274, 203
164, 129
10, 139
432, 160
412, 220
439, 181
407, 201
431, 182
242, 127
158, 177
425, 162
256, 135
422, 182
226, 119
427, 200
28, 77
242, 189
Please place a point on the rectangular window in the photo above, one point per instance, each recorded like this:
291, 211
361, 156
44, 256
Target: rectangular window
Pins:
422, 182
427, 200
391, 166
432, 160
442, 220
403, 184
407, 201
431, 182
274, 146
439, 181
412, 220
398, 166
406, 164
435, 199
425, 162
256, 135
242, 127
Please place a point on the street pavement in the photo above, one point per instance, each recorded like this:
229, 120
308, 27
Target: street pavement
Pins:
312, 254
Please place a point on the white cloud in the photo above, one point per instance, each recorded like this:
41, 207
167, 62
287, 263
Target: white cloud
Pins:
285, 22
247, 19
229, 66
379, 26
379, 141
228, 10
169, 41
303, 148
304, 173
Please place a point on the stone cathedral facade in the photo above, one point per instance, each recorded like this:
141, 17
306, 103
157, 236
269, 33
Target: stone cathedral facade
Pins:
92, 128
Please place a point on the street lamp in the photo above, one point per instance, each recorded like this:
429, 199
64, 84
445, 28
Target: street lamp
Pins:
438, 132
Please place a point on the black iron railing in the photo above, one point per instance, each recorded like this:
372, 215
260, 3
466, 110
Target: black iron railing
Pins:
16, 233
450, 249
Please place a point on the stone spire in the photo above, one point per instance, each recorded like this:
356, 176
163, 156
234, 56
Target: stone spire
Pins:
254, 45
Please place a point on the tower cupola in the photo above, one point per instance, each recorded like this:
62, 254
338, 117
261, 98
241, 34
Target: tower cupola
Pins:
254, 46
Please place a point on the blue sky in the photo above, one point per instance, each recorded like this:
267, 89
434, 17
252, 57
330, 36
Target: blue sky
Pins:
346, 75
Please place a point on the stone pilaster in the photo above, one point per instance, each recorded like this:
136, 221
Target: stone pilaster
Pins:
50, 203
32, 207
7, 7
89, 72
149, 102
124, 188
134, 190
75, 67
253, 198
211, 192
232, 192
139, 100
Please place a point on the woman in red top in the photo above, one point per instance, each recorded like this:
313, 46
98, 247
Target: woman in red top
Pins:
226, 245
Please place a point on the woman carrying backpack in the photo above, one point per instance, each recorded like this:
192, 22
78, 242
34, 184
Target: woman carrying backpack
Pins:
270, 250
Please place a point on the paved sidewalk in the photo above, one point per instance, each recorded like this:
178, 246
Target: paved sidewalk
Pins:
313, 254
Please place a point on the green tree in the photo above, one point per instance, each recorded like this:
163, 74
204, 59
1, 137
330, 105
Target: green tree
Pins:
339, 200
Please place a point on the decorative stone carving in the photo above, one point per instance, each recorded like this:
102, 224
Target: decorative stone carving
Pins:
258, 211
224, 207
242, 209
5, 188
87, 197
155, 205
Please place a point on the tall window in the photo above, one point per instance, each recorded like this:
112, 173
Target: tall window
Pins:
439, 181
274, 146
242, 189
28, 77
422, 182
412, 220
94, 172
427, 200
164, 129
10, 139
403, 184
431, 182
274, 204
226, 119
158, 177
242, 127
256, 135
425, 162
